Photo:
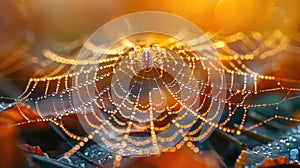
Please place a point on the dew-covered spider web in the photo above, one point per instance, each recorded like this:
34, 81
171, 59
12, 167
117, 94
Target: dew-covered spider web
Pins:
151, 93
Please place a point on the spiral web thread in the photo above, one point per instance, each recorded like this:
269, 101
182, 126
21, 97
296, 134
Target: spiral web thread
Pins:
55, 89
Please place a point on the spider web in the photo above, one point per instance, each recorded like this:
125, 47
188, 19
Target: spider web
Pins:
244, 60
